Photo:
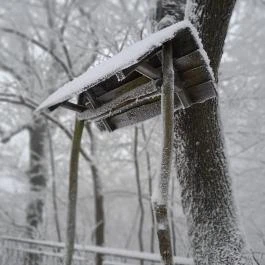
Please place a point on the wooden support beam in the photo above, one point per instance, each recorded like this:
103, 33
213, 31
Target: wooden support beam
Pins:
72, 106
149, 71
182, 95
103, 124
160, 194
119, 91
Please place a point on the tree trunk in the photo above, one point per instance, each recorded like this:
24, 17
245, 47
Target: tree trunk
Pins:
54, 189
37, 181
150, 190
201, 164
98, 199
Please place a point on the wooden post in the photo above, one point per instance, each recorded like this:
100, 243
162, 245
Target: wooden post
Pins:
72, 192
160, 195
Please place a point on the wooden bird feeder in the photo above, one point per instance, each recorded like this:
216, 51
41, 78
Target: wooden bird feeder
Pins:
125, 89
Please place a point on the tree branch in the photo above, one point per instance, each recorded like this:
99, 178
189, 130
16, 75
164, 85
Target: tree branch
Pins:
6, 138
32, 105
41, 46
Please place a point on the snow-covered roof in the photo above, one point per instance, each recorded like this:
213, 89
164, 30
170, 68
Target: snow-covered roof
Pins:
126, 58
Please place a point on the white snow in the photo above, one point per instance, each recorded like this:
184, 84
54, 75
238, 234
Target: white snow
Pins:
11, 185
117, 63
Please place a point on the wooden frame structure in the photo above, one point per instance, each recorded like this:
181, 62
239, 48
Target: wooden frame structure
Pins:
126, 89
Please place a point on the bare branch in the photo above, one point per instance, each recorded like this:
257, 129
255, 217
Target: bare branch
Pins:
41, 46
6, 138
32, 105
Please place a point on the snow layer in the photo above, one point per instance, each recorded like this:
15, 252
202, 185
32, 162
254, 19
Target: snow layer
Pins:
117, 63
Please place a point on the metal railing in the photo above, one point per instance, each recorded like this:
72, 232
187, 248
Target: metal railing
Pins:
16, 251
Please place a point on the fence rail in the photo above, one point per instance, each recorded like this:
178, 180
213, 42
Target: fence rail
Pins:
16, 250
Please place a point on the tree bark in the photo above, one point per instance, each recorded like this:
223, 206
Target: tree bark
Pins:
139, 191
150, 190
54, 189
98, 198
37, 181
201, 163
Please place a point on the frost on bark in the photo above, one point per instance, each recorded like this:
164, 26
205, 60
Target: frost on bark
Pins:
201, 164
160, 195
37, 181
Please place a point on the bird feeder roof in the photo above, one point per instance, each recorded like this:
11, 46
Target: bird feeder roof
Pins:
125, 89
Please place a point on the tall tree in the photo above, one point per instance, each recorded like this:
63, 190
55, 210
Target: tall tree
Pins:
37, 181
201, 163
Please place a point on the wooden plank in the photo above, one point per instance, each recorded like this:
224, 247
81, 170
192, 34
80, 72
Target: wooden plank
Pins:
103, 125
181, 93
72, 106
136, 115
202, 92
195, 76
148, 71
122, 89
189, 61
126, 101
197, 94
54, 107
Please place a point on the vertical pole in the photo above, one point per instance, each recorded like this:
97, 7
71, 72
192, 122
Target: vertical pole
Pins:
160, 195
72, 192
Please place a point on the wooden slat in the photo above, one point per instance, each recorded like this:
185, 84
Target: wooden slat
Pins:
195, 76
202, 92
148, 71
197, 94
189, 61
103, 125
136, 115
54, 107
122, 89
126, 101
181, 93
72, 106
184, 43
